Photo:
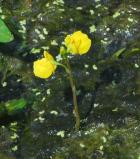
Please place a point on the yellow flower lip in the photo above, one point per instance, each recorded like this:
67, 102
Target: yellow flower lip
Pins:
45, 67
78, 43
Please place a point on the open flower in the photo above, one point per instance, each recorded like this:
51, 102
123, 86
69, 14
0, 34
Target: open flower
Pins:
44, 67
77, 43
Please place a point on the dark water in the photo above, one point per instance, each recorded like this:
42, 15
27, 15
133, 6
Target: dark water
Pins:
107, 82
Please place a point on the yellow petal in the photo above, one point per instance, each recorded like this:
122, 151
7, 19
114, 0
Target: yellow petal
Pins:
73, 48
85, 46
67, 40
48, 56
77, 43
76, 34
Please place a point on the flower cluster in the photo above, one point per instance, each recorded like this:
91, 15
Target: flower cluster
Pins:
76, 43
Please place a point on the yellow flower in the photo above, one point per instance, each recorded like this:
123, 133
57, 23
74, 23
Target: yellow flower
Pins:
77, 43
44, 67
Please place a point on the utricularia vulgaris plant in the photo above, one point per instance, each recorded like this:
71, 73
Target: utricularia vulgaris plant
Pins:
76, 43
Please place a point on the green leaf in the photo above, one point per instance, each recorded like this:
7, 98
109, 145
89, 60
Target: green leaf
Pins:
15, 105
132, 52
5, 34
118, 53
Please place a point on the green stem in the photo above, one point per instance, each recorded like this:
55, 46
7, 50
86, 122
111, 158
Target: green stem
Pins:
73, 87
60, 64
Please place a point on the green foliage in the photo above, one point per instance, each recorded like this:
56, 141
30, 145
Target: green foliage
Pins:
132, 52
118, 53
5, 34
15, 105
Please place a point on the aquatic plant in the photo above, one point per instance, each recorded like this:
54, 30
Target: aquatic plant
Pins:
76, 43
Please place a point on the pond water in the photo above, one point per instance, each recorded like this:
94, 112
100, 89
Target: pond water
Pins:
107, 80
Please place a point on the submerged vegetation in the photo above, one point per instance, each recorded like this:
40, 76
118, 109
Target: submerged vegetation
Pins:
37, 115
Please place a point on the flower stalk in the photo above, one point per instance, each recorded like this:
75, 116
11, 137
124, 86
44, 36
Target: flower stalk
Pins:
75, 104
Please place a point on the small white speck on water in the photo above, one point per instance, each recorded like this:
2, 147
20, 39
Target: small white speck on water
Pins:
97, 1
47, 5
86, 66
115, 15
54, 112
45, 31
58, 58
36, 119
136, 65
14, 136
97, 6
92, 29
13, 124
3, 16
35, 50
19, 80
43, 99
38, 93
133, 8
4, 84
101, 147
107, 29
115, 110
105, 39
45, 47
61, 133
0, 10
22, 22
41, 36
71, 19
130, 19
54, 43
95, 67
104, 139
87, 73
42, 112
15, 148
91, 12
96, 105
48, 91
35, 40
79, 8
82, 145
41, 119
37, 31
